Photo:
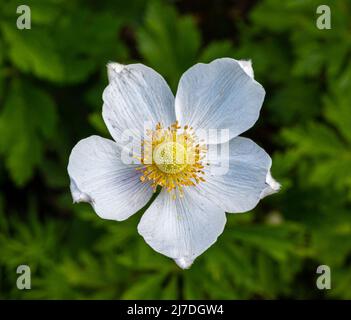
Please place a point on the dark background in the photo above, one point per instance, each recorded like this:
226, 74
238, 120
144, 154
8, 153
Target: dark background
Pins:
51, 81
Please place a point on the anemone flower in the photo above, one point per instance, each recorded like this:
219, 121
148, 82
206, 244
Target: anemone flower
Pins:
197, 190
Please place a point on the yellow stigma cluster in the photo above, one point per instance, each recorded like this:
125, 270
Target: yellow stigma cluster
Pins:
172, 158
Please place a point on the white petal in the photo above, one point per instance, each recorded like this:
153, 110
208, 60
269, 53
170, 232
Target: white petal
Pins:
219, 95
113, 68
136, 96
247, 66
241, 186
272, 186
77, 195
184, 263
99, 177
182, 228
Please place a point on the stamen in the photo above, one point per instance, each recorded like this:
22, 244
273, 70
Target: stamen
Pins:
172, 158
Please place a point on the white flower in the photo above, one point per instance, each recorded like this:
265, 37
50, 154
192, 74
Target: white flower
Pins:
190, 212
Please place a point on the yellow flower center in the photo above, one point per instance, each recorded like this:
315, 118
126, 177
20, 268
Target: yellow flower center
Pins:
172, 158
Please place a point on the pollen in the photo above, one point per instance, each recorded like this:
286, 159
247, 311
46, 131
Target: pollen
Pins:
172, 158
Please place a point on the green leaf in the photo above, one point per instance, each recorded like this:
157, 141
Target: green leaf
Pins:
217, 49
33, 51
148, 287
167, 42
170, 292
26, 122
337, 106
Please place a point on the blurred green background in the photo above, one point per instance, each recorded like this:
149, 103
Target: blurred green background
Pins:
51, 83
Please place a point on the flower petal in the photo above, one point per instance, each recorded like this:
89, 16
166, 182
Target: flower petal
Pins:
113, 69
182, 228
99, 177
239, 180
219, 95
136, 96
247, 66
272, 186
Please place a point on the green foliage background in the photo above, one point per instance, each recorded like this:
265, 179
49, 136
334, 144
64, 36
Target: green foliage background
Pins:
51, 82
